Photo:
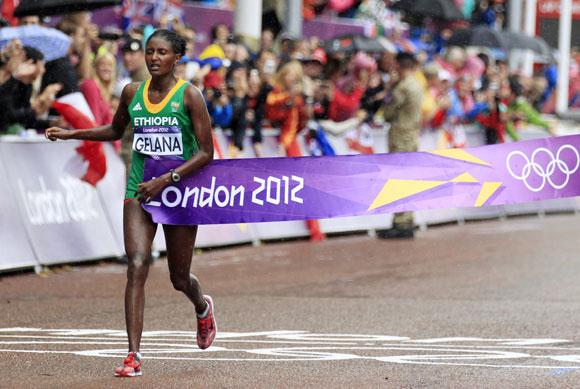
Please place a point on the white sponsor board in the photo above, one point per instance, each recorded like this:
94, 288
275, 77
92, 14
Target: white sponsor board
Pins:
16, 251
63, 216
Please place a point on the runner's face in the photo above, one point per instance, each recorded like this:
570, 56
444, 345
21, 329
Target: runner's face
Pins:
160, 57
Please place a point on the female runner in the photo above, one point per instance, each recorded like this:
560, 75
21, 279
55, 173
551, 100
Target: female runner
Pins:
181, 105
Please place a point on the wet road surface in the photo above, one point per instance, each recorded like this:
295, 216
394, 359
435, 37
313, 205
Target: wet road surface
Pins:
488, 304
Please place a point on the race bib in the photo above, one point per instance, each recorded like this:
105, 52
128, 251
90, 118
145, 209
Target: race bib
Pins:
158, 140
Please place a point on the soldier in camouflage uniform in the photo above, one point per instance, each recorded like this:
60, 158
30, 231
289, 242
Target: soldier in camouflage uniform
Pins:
403, 111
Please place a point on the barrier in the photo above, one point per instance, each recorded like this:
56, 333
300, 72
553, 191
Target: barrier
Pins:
49, 216
15, 251
63, 217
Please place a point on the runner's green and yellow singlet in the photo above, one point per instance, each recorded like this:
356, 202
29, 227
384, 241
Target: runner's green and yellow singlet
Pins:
161, 130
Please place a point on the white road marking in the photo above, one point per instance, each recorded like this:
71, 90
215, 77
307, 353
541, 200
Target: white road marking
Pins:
293, 346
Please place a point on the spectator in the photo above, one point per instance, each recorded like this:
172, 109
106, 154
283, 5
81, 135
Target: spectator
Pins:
287, 47
242, 54
547, 100
30, 21
219, 34
266, 65
521, 111
190, 37
80, 54
285, 106
313, 67
404, 113
18, 109
458, 63
374, 95
134, 60
491, 113
238, 88
61, 71
312, 8
267, 40
431, 92
349, 89
322, 98
98, 90
230, 48
254, 86
485, 14
66, 70
219, 107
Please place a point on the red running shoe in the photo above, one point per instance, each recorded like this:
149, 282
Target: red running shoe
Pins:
206, 327
131, 366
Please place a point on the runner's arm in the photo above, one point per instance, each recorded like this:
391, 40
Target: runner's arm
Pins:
110, 132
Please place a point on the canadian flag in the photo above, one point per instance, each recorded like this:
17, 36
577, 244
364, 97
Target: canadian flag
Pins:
74, 109
7, 11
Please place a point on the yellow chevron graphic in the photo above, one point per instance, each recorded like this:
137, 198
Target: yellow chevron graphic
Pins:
487, 190
399, 189
459, 154
465, 177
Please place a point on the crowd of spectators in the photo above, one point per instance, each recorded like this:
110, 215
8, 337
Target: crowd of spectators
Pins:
287, 82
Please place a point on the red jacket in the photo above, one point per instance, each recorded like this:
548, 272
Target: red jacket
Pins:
291, 115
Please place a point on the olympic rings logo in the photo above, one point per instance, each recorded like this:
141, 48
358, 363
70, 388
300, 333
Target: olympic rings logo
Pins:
546, 174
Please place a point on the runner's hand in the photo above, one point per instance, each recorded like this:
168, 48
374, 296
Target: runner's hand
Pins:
54, 133
146, 191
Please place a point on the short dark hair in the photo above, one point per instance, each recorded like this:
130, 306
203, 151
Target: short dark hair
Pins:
214, 29
177, 42
515, 85
33, 54
406, 60
485, 58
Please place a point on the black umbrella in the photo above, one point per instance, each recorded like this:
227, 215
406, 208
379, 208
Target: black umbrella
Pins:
477, 36
59, 7
352, 43
517, 40
437, 9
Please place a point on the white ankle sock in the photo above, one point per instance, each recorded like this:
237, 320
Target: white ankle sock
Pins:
137, 355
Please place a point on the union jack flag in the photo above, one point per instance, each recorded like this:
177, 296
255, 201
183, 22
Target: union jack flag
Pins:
141, 12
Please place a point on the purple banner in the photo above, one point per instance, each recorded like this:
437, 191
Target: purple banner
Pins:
202, 18
278, 189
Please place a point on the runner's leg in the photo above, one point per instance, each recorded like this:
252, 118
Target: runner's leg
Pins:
180, 241
139, 231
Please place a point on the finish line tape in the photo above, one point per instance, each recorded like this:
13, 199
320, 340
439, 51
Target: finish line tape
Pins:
280, 189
